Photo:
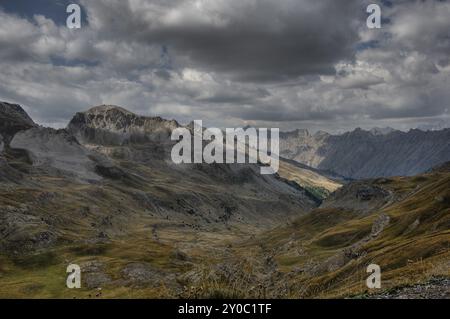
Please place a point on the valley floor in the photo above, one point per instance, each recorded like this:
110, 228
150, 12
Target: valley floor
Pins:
163, 260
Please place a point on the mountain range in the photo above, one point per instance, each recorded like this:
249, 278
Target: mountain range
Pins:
367, 154
104, 194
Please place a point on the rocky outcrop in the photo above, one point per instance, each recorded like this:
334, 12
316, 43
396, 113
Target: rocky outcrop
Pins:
21, 231
113, 125
13, 119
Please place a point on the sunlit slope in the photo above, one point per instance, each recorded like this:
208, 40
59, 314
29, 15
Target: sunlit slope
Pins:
325, 253
308, 178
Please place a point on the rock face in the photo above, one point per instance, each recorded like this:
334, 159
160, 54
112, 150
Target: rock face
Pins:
12, 120
303, 147
368, 154
113, 125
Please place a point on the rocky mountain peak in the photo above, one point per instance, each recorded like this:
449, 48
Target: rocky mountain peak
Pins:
381, 130
302, 132
108, 108
298, 133
321, 134
110, 124
113, 117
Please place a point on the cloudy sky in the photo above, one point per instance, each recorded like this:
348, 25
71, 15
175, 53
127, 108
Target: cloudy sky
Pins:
271, 63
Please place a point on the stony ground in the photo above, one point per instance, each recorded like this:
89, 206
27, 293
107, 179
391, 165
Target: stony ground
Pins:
436, 288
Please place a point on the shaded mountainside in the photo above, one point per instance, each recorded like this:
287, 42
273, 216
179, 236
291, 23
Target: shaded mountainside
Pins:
368, 154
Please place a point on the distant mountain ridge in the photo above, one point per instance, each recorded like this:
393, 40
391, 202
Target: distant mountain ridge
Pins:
367, 154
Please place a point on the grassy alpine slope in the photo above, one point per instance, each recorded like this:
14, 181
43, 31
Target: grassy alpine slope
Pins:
312, 180
320, 255
325, 253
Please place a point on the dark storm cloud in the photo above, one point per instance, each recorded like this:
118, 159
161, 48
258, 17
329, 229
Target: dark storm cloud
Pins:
273, 113
249, 40
232, 97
